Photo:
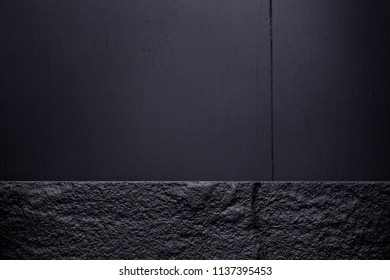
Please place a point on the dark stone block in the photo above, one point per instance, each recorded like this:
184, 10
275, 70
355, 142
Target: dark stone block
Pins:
313, 220
194, 220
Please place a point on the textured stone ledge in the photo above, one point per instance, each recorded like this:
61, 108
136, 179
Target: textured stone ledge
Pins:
194, 220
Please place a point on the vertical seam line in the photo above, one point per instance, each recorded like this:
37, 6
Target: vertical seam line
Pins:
272, 90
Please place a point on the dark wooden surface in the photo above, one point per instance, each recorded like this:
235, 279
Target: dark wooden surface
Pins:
190, 90
135, 90
331, 89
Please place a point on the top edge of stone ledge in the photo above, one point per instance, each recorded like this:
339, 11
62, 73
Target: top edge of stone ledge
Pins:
189, 181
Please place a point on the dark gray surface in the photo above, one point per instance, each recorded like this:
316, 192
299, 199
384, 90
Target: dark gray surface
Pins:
331, 84
194, 220
135, 90
192, 90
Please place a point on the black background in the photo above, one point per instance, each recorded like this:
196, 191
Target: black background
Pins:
194, 90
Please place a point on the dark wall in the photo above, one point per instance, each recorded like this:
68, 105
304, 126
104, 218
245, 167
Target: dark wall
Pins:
135, 90
194, 90
331, 89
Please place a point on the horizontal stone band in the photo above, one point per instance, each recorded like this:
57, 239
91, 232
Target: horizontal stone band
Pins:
194, 220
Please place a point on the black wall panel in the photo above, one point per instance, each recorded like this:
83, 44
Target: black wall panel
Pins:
331, 86
194, 90
135, 90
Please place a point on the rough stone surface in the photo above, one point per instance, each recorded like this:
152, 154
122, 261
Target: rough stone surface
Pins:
323, 220
194, 220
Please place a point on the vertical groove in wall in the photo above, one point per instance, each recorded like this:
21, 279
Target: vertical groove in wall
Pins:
272, 90
2, 139
3, 136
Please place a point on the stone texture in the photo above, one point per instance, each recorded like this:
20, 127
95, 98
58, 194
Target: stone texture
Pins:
323, 220
194, 220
